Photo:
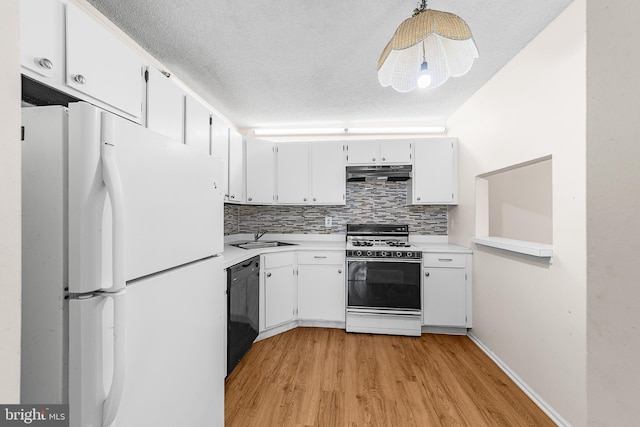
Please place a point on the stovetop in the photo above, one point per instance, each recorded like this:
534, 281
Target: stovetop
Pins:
380, 241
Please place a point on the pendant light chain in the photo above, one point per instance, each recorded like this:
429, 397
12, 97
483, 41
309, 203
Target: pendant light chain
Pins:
418, 10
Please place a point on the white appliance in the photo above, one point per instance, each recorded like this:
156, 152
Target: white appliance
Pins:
123, 292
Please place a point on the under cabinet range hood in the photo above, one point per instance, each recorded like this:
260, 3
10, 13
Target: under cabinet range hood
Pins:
378, 173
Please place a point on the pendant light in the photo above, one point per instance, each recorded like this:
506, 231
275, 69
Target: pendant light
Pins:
426, 50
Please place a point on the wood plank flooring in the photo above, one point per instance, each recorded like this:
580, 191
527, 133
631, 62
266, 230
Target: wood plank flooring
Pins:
329, 378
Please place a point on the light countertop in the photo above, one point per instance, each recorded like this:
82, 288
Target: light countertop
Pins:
319, 242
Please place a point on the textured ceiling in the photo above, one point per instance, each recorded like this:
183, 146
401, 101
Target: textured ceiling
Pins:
301, 62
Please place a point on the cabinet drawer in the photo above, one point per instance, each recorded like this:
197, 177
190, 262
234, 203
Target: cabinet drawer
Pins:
324, 257
444, 260
277, 260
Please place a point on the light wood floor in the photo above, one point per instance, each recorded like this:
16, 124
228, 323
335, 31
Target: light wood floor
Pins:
327, 377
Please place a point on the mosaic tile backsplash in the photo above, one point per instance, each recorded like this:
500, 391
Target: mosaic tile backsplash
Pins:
367, 202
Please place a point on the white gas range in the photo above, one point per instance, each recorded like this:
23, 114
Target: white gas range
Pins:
383, 280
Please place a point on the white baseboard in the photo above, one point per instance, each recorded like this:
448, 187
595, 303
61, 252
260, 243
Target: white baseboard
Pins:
539, 401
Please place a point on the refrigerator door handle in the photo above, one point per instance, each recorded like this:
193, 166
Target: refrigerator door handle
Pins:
112, 402
111, 178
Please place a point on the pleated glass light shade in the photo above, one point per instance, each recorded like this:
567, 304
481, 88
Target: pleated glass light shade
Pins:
443, 39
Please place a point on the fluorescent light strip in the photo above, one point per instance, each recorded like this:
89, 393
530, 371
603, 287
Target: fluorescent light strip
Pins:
407, 130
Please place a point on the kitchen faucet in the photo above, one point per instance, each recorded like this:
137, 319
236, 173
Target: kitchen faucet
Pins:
258, 235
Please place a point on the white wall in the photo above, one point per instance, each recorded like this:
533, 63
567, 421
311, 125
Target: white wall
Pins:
10, 207
531, 314
613, 209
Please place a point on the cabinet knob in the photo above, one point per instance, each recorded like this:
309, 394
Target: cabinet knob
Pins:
373, 159
250, 199
383, 159
268, 274
340, 271
418, 198
426, 274
79, 78
45, 63
305, 199
233, 196
314, 199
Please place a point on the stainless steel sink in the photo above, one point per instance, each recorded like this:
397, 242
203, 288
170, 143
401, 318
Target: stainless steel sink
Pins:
260, 244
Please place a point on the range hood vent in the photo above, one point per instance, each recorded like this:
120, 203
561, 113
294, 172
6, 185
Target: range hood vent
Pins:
378, 173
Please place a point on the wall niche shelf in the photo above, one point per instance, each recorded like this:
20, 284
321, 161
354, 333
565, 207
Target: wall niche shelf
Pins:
540, 250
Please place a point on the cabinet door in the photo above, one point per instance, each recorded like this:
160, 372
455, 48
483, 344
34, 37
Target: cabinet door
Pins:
165, 105
220, 147
101, 65
444, 300
235, 191
435, 174
279, 295
363, 152
321, 292
42, 38
328, 180
197, 125
293, 173
260, 171
398, 151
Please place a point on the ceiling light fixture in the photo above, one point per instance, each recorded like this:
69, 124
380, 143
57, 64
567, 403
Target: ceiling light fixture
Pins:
390, 130
426, 50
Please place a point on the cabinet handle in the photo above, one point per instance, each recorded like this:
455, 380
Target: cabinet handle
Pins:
426, 273
79, 78
319, 257
45, 63
445, 259
268, 274
233, 196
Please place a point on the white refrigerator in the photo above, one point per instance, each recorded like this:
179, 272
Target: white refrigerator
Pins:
123, 290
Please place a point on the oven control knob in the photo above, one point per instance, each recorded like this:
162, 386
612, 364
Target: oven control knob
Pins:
383, 253
409, 255
369, 253
358, 253
399, 254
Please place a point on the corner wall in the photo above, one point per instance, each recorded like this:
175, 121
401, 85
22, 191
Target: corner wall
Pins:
613, 207
10, 189
532, 315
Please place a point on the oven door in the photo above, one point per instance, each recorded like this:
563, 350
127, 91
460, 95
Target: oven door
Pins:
383, 284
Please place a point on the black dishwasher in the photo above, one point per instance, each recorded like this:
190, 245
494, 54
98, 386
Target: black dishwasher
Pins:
242, 309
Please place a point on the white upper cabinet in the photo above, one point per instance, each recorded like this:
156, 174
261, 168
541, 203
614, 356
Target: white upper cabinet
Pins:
379, 152
435, 172
261, 171
42, 39
236, 179
197, 125
310, 173
220, 147
293, 173
100, 65
165, 105
328, 173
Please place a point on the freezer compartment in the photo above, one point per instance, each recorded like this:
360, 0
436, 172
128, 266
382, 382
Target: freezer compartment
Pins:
172, 200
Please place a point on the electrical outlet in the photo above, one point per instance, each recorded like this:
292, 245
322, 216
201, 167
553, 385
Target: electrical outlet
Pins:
328, 221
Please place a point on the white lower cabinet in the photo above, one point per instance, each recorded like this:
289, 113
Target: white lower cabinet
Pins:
446, 290
278, 282
321, 286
